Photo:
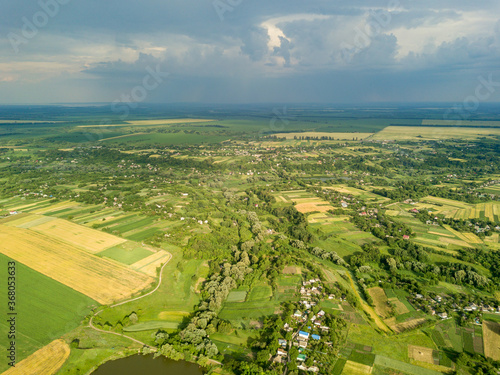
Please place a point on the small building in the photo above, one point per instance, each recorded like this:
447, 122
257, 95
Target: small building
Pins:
282, 342
315, 337
301, 357
443, 315
302, 344
304, 335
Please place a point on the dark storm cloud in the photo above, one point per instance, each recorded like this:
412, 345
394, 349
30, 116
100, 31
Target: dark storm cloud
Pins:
220, 50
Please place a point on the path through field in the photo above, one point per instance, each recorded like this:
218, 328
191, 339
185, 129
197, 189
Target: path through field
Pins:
91, 325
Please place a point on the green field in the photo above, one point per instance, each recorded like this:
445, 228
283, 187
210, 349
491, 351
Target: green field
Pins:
260, 292
407, 368
126, 254
46, 309
175, 298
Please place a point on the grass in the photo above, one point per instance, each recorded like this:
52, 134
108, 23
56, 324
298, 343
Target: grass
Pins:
260, 292
126, 256
174, 300
237, 296
339, 366
151, 325
362, 357
407, 368
393, 346
46, 309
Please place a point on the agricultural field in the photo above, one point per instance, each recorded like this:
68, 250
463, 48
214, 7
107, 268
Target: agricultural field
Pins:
461, 210
491, 336
242, 306
47, 309
461, 123
367, 196
304, 201
403, 133
71, 266
380, 300
46, 361
101, 208
89, 239
447, 334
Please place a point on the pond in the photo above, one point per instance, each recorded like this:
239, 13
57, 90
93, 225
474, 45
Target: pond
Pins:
146, 364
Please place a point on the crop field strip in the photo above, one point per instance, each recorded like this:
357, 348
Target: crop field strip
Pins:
151, 263
102, 280
46, 361
402, 133
491, 337
89, 239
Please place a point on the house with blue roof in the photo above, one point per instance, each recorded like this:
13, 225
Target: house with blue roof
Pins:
304, 335
315, 337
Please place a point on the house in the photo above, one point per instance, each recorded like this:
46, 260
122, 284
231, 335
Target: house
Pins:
313, 369
282, 342
281, 352
301, 357
406, 237
315, 337
321, 313
304, 335
443, 315
13, 212
302, 344
297, 314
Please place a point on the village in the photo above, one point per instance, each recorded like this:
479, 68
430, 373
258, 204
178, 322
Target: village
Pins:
306, 332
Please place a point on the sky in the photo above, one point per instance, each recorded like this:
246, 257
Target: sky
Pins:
249, 51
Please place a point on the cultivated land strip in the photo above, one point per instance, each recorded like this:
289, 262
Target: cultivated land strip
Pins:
102, 280
45, 361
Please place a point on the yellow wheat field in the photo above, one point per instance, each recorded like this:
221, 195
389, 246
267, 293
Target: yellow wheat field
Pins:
149, 264
321, 206
90, 239
45, 361
491, 337
100, 279
429, 132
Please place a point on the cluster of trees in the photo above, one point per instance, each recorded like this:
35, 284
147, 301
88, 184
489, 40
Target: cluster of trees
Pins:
382, 227
416, 190
328, 255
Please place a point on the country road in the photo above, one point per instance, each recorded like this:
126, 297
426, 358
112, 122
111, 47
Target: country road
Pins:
91, 323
